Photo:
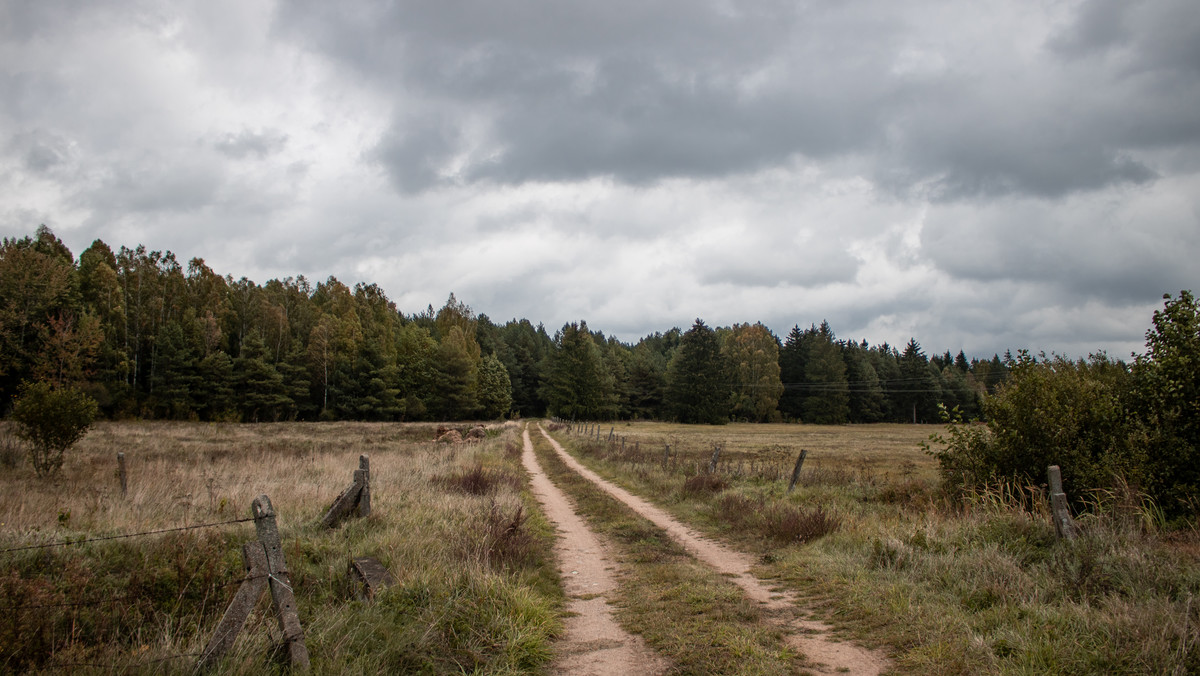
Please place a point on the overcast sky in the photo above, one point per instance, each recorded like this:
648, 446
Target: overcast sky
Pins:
980, 176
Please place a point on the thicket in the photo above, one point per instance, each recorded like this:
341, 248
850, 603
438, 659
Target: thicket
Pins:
1105, 424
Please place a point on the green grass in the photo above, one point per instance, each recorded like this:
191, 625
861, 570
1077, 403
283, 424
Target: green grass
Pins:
984, 587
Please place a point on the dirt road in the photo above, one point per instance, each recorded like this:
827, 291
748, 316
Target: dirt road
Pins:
595, 645
811, 637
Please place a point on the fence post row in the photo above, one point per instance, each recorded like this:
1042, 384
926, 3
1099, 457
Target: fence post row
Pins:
265, 569
1064, 525
356, 499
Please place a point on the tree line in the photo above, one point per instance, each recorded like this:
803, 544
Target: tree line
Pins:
146, 336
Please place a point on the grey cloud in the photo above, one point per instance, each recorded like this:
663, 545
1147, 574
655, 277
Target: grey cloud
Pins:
1081, 254
42, 151
247, 143
653, 91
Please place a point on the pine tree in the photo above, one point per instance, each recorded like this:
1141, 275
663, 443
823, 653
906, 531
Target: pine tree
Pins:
577, 384
697, 384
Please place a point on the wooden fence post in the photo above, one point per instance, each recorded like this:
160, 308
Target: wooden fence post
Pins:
1064, 525
355, 499
254, 560
796, 471
280, 584
123, 474
712, 464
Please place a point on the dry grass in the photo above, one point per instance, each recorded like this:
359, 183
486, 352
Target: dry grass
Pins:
881, 449
978, 587
476, 587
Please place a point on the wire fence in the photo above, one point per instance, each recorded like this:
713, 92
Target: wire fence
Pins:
114, 599
68, 543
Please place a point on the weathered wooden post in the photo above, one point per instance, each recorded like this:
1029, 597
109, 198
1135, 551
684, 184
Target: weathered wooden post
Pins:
796, 471
355, 499
254, 560
362, 476
712, 464
666, 454
1064, 525
123, 474
280, 584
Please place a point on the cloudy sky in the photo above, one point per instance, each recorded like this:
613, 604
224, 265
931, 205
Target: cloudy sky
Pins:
982, 176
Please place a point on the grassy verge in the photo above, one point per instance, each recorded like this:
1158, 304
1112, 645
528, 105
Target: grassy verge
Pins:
477, 589
694, 617
980, 588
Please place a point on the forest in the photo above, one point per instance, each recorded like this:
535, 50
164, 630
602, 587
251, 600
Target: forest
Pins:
147, 337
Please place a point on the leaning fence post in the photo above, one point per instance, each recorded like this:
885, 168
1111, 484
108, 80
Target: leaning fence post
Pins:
796, 471
363, 476
254, 559
1064, 525
124, 476
280, 584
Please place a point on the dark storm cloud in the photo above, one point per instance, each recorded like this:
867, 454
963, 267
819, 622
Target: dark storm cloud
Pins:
647, 91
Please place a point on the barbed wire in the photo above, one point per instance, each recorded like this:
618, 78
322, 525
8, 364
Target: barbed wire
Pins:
68, 543
122, 597
116, 665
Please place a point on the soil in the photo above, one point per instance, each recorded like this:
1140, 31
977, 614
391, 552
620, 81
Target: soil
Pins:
812, 637
594, 645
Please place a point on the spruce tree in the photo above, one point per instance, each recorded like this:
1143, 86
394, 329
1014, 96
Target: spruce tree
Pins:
697, 385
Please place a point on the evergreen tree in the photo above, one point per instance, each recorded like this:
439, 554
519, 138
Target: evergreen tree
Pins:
697, 385
792, 374
495, 389
261, 392
868, 403
828, 401
916, 394
456, 384
577, 385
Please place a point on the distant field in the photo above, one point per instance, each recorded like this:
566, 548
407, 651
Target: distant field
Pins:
881, 448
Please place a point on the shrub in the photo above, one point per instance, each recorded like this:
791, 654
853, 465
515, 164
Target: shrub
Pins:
1050, 412
788, 523
705, 483
479, 480
51, 420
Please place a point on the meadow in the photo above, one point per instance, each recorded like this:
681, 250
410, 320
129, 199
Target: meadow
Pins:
981, 586
866, 537
476, 589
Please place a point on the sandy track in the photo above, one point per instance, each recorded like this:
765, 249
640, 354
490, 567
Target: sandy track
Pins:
809, 636
595, 645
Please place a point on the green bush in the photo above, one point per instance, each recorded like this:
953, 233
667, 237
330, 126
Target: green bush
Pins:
1050, 412
1105, 425
51, 419
1167, 399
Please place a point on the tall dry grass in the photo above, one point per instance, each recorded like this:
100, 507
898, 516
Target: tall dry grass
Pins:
977, 586
476, 586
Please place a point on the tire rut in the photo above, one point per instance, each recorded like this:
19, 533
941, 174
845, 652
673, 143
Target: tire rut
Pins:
811, 637
594, 644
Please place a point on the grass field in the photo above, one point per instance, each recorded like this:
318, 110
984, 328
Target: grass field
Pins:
477, 589
982, 587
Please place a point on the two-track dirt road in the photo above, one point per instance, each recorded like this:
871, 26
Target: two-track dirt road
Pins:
811, 637
595, 645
